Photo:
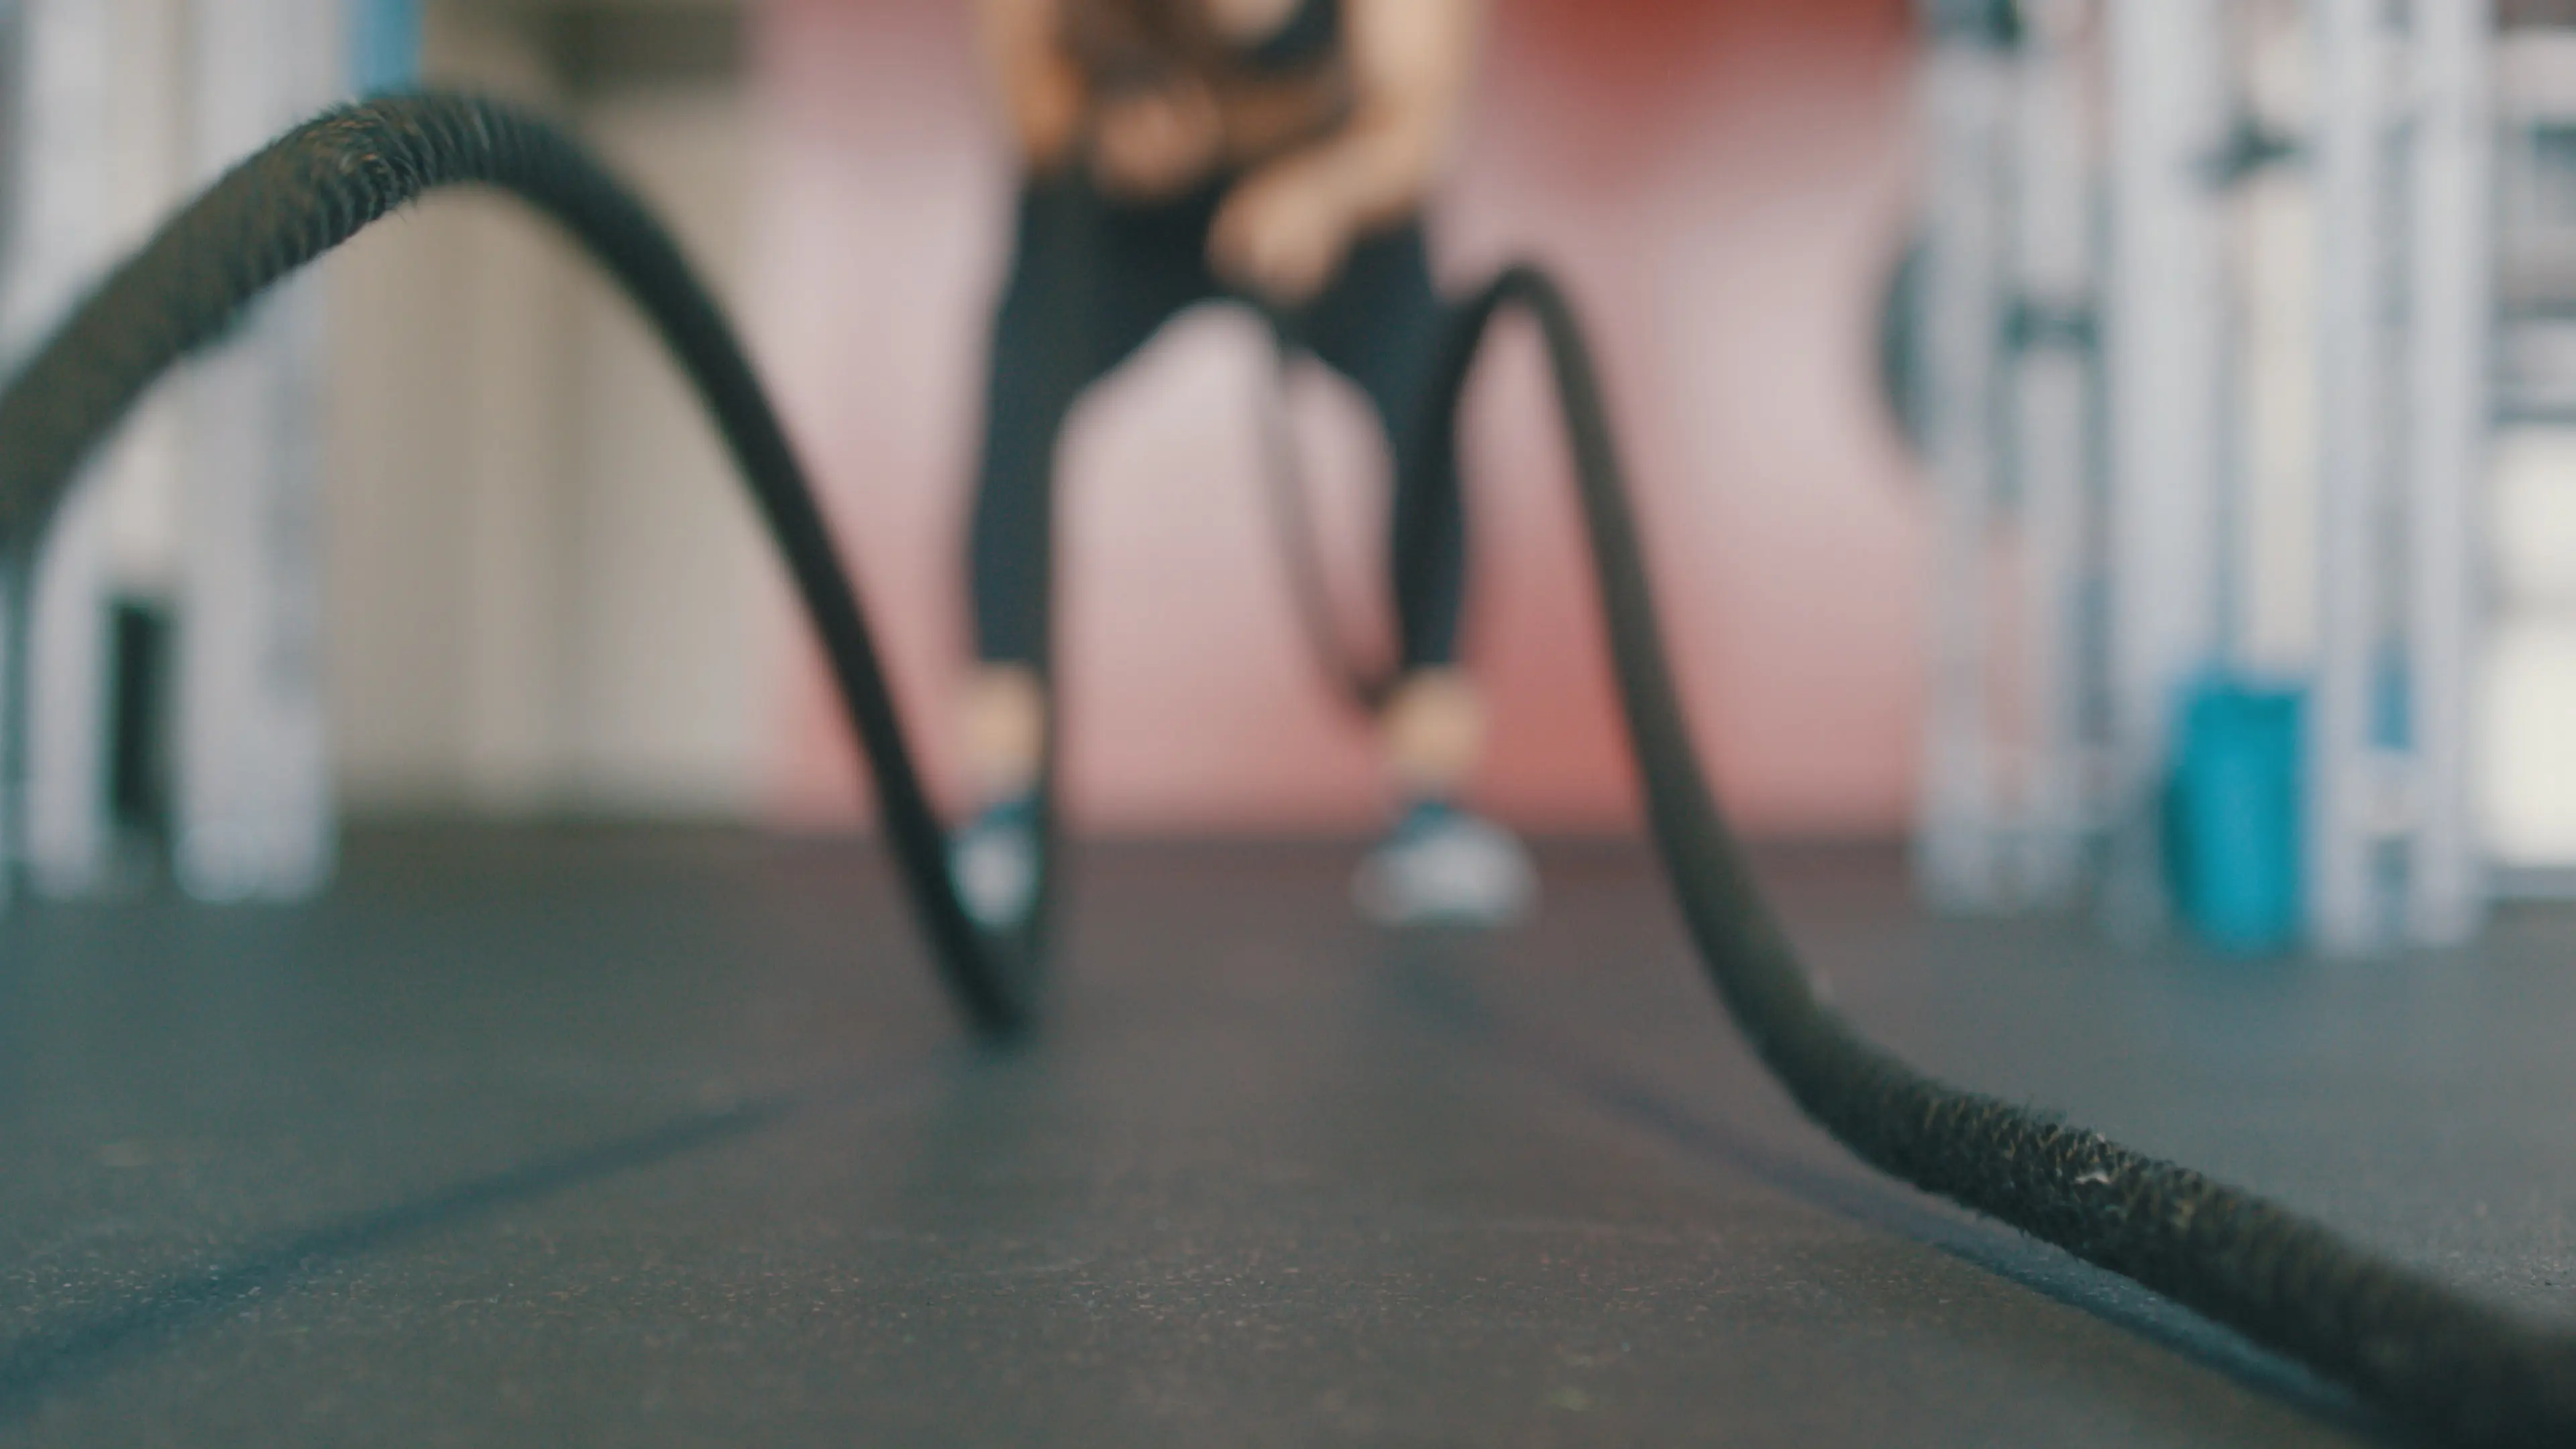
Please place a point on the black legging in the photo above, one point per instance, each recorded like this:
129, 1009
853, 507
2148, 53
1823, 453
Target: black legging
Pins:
1091, 282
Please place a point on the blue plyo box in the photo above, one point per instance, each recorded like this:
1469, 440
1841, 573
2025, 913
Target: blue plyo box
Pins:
2233, 813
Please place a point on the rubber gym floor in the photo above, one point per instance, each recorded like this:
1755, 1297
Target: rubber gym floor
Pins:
648, 1137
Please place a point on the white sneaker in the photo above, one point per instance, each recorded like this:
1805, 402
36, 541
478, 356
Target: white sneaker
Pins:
994, 862
1441, 866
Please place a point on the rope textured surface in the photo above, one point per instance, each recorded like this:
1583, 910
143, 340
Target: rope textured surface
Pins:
2429, 1354
2440, 1361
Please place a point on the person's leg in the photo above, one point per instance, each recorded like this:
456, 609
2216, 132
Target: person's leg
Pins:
1090, 283
1383, 325
1040, 364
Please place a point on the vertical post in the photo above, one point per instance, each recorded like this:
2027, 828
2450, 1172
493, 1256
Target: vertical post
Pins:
65, 229
1965, 90
2352, 400
2053, 456
253, 806
2453, 263
2165, 368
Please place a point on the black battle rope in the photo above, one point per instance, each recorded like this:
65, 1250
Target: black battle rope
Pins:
2450, 1366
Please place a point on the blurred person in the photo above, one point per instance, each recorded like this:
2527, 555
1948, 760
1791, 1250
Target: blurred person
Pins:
1275, 153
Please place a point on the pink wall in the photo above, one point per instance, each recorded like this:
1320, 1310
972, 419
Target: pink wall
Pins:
1718, 182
